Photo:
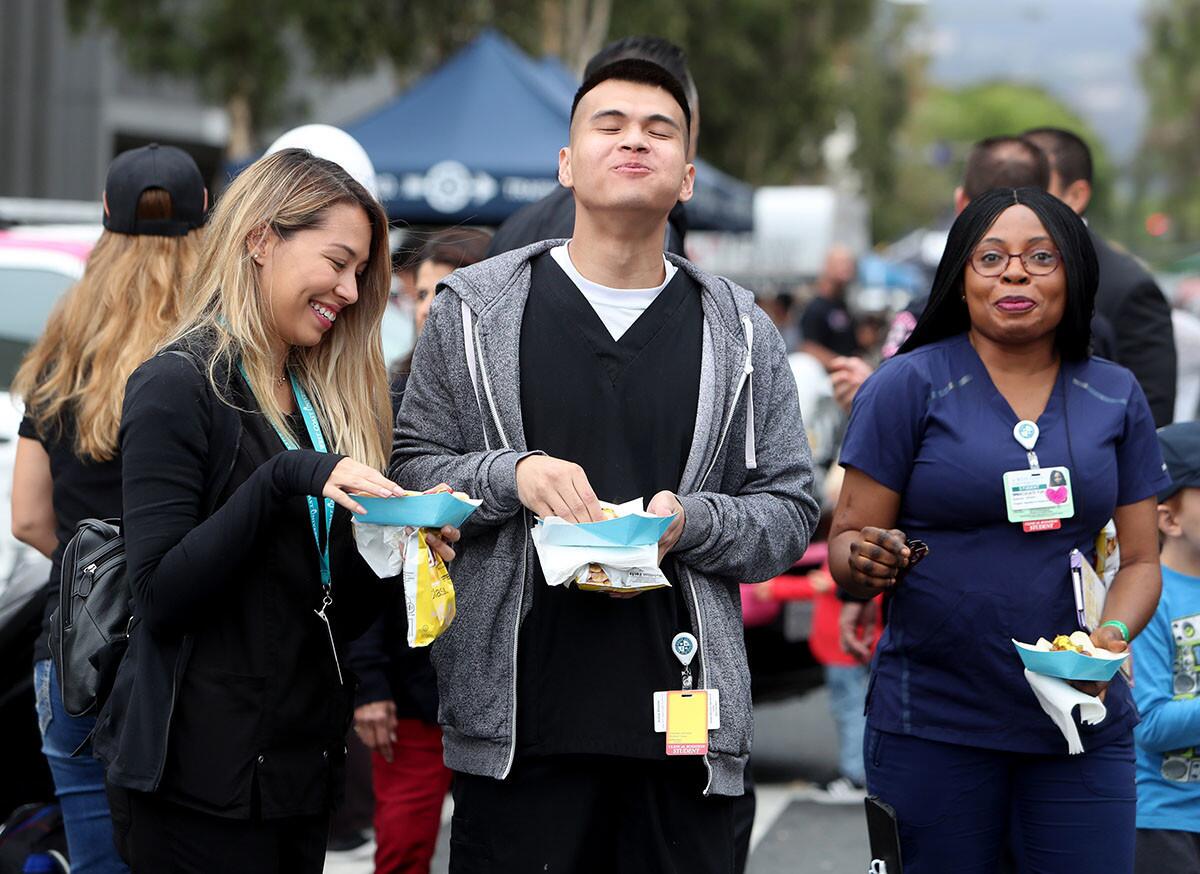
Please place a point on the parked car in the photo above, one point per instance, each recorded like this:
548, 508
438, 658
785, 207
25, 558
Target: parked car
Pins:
36, 268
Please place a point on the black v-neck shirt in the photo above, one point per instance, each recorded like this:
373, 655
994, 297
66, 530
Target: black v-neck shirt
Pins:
624, 410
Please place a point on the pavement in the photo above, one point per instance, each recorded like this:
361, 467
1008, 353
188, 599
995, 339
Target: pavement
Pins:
795, 749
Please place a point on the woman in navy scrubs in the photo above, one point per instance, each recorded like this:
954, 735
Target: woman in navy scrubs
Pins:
956, 741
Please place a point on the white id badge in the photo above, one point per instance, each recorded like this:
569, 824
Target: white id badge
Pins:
1039, 499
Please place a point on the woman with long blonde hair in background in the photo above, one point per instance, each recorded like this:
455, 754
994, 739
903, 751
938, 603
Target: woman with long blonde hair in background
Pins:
224, 731
68, 465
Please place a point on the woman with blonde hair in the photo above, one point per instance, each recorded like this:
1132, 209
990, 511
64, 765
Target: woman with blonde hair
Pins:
224, 732
68, 467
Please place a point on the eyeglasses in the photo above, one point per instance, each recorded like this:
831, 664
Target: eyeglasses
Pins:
993, 262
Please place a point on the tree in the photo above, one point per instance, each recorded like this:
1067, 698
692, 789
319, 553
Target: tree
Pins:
1169, 164
774, 74
239, 57
766, 71
941, 128
879, 77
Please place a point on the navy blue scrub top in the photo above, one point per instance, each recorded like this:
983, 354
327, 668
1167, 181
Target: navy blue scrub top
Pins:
931, 426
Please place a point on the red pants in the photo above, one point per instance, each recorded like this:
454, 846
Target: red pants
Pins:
408, 799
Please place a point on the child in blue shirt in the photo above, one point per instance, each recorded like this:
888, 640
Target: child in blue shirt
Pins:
1166, 658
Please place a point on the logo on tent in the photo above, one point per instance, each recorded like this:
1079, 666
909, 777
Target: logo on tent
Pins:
449, 187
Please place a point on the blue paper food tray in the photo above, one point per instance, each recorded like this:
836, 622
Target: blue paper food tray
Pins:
1070, 665
632, 530
418, 511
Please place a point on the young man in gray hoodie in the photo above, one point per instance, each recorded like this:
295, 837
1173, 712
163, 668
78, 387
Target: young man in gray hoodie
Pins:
564, 371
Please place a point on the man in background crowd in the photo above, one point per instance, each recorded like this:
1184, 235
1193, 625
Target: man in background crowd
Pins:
827, 325
1127, 295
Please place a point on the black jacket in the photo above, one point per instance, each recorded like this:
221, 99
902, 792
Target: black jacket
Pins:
1140, 316
192, 528
553, 218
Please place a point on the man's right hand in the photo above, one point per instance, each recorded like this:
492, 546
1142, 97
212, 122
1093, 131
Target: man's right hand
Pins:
553, 487
375, 725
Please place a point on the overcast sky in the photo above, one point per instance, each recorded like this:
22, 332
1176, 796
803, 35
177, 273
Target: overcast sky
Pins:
1083, 51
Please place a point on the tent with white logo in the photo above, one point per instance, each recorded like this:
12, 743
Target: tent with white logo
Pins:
478, 138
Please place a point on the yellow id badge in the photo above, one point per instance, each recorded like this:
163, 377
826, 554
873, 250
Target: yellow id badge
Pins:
687, 723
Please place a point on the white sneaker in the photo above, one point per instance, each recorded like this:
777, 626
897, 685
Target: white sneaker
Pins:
843, 790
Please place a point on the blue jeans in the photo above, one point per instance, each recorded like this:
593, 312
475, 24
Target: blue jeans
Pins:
847, 686
78, 782
957, 805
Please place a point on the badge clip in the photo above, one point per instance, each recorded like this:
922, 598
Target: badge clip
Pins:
684, 646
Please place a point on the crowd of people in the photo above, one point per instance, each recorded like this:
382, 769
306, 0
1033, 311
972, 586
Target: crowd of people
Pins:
217, 382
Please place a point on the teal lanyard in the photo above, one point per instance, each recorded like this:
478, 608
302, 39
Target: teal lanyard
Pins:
318, 441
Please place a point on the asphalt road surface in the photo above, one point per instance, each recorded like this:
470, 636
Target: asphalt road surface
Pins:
794, 750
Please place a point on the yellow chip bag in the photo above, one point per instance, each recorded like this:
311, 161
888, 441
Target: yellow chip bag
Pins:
428, 591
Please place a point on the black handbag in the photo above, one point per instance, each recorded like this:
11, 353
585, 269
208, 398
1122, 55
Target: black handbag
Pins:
89, 628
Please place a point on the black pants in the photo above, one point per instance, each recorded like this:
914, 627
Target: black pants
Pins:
160, 837
584, 814
1160, 851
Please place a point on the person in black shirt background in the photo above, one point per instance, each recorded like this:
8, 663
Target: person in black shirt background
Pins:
68, 467
827, 325
223, 735
396, 702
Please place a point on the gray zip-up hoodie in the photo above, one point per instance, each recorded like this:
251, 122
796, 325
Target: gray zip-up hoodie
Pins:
746, 494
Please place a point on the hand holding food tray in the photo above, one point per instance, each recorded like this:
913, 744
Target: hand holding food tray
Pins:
1072, 657
418, 510
391, 539
617, 555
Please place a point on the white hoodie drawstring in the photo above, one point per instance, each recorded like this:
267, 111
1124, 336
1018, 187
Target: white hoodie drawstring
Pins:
748, 373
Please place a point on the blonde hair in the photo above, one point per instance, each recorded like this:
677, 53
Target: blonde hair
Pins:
108, 323
344, 376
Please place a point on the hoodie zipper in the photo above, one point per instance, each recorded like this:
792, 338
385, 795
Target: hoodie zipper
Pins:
747, 369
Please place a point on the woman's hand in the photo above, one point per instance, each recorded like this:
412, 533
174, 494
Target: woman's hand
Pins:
877, 556
350, 477
440, 541
375, 725
1109, 638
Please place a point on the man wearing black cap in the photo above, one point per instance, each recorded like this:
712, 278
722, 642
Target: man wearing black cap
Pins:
1167, 659
154, 166
1127, 295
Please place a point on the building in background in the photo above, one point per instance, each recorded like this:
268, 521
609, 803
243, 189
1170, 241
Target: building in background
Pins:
69, 105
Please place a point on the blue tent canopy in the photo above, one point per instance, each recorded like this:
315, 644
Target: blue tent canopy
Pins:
478, 138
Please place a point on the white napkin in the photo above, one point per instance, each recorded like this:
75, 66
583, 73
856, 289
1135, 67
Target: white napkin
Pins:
382, 547
562, 564
1058, 698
